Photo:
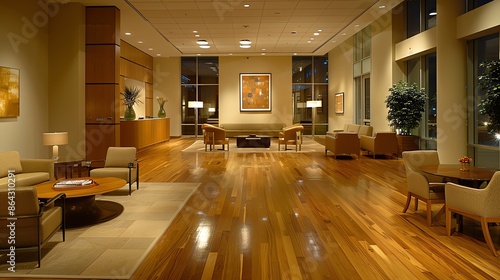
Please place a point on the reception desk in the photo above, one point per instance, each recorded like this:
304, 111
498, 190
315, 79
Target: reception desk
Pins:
144, 133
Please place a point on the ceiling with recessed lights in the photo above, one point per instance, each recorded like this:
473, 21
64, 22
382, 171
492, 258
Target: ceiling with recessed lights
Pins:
217, 27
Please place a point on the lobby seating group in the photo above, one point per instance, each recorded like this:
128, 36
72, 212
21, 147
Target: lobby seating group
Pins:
343, 143
214, 135
381, 143
28, 172
36, 221
120, 162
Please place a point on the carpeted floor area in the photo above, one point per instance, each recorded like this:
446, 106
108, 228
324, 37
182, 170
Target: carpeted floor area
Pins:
110, 250
308, 145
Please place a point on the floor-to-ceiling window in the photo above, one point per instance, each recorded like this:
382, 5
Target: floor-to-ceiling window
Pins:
472, 4
362, 69
483, 146
199, 82
310, 82
420, 16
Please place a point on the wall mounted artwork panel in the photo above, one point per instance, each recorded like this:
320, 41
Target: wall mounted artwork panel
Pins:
255, 92
9, 92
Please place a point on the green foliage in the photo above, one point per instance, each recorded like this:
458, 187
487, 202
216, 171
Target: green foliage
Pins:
406, 103
130, 95
489, 83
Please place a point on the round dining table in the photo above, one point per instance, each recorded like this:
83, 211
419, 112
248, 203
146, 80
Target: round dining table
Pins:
451, 172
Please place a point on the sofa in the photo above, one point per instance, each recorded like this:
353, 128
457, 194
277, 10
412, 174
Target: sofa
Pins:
381, 143
28, 172
236, 129
343, 143
356, 128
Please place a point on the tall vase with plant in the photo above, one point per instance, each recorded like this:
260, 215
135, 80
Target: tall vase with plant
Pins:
406, 102
489, 83
130, 98
161, 103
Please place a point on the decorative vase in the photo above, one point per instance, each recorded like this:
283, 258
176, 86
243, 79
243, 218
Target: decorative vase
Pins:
464, 166
129, 113
161, 112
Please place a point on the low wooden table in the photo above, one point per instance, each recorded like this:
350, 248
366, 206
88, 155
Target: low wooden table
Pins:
253, 141
81, 207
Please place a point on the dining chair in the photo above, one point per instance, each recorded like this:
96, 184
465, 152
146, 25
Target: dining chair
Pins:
120, 162
428, 189
478, 204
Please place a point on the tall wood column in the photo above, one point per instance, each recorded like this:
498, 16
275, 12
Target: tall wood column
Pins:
102, 78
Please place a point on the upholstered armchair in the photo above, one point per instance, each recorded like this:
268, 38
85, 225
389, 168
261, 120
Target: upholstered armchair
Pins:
342, 143
213, 135
478, 204
380, 143
291, 135
427, 188
120, 162
36, 222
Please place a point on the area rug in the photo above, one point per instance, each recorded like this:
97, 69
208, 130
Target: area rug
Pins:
110, 250
308, 145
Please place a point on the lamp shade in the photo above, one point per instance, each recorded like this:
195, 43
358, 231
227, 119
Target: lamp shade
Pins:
195, 104
55, 138
314, 104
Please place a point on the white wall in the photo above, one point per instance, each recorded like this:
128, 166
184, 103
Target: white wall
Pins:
281, 87
25, 22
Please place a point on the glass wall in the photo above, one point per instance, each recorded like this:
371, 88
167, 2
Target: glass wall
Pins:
483, 146
472, 4
199, 82
310, 82
362, 69
420, 16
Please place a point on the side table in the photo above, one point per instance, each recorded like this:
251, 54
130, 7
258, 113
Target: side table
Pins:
68, 165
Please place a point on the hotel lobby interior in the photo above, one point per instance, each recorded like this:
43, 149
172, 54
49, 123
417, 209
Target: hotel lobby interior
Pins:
252, 68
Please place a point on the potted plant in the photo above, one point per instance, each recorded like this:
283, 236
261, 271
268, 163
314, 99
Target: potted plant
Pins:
405, 102
489, 82
130, 98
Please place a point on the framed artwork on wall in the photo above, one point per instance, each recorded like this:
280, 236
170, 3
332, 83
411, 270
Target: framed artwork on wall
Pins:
255, 92
9, 92
339, 103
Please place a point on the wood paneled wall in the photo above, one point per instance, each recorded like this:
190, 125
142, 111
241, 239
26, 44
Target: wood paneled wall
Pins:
137, 65
102, 91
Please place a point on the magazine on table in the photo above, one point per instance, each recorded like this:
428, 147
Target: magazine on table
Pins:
74, 183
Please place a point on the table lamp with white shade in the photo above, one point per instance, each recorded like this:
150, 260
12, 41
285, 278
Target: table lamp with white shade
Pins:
195, 105
55, 139
313, 104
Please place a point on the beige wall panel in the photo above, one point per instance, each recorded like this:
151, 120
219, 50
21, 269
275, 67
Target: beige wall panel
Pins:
418, 45
479, 22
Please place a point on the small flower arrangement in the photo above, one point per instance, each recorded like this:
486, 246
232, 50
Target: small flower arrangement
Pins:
465, 159
161, 100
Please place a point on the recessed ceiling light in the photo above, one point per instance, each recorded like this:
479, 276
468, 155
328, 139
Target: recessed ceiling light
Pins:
245, 46
316, 34
263, 49
245, 42
308, 42
197, 35
205, 47
158, 54
343, 34
381, 6
311, 38
320, 30
246, 5
128, 33
263, 53
140, 42
356, 25
150, 49
195, 31
202, 42
294, 53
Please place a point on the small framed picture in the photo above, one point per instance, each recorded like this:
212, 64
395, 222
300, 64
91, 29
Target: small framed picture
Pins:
339, 103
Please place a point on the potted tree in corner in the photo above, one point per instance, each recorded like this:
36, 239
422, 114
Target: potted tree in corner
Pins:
489, 82
405, 102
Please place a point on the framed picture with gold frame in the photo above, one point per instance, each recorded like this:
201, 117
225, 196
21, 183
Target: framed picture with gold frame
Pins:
339, 103
255, 92
9, 92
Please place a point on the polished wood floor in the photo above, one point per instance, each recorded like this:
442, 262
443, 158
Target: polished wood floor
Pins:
302, 216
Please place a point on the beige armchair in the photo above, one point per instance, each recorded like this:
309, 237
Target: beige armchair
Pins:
478, 204
427, 188
380, 143
342, 143
291, 135
36, 222
213, 135
120, 162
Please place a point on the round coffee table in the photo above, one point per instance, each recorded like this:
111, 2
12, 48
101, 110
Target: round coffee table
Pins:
82, 208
